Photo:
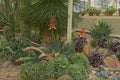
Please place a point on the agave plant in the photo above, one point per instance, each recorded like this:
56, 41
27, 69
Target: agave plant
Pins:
100, 30
58, 45
101, 33
48, 50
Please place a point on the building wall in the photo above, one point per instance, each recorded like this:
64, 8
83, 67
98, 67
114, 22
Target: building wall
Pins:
88, 21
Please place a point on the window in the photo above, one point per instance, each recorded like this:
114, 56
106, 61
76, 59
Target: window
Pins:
79, 5
103, 3
118, 3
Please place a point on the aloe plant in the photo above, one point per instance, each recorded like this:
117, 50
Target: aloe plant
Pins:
100, 30
100, 33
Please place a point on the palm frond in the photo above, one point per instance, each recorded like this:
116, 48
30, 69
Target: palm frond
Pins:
38, 15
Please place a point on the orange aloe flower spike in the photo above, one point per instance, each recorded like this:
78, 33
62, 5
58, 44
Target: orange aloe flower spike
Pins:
81, 33
52, 24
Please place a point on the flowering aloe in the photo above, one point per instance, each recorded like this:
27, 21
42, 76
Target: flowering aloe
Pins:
80, 41
81, 33
52, 24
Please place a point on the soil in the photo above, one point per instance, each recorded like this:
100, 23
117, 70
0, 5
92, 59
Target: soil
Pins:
8, 71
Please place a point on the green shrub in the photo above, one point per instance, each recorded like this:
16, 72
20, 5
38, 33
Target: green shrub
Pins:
78, 72
32, 71
91, 10
79, 59
111, 9
57, 67
52, 69
79, 66
97, 11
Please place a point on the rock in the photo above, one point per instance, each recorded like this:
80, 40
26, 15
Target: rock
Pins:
112, 62
98, 74
112, 73
91, 75
117, 72
86, 48
93, 71
110, 77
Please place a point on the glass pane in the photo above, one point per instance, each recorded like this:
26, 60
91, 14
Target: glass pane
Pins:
103, 3
79, 5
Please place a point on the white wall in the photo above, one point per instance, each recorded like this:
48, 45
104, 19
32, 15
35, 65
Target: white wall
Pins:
92, 3
118, 3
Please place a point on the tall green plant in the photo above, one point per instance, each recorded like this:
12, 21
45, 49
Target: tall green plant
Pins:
38, 15
9, 16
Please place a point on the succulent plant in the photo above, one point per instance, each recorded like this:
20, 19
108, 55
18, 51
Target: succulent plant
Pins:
100, 30
103, 72
79, 44
80, 41
115, 46
102, 42
96, 58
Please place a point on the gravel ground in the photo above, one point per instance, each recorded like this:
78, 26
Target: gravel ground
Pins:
9, 71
